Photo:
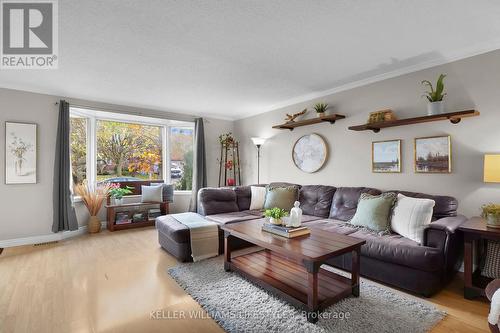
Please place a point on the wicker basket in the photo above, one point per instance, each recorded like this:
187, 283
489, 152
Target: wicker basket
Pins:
94, 225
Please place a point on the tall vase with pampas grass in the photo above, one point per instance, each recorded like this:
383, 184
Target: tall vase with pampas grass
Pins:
93, 197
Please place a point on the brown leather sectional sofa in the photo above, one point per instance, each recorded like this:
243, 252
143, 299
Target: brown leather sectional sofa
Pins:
392, 259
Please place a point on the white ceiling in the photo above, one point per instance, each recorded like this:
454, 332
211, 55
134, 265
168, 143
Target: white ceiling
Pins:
234, 58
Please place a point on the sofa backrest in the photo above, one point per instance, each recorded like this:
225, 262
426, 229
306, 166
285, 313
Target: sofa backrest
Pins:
216, 200
345, 201
316, 199
445, 206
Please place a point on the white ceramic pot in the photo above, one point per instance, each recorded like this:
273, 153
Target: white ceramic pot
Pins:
493, 221
272, 220
320, 114
119, 202
435, 108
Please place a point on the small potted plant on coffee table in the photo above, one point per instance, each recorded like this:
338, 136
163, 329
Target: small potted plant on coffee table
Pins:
320, 109
275, 215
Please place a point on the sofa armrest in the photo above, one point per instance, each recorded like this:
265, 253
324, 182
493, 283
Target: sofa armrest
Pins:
443, 234
448, 224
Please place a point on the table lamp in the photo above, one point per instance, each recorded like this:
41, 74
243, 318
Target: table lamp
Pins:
258, 142
492, 168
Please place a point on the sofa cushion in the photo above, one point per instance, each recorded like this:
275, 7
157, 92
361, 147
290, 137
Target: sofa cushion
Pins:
232, 217
244, 196
258, 197
345, 201
445, 206
216, 200
316, 199
410, 216
337, 226
373, 211
399, 250
281, 197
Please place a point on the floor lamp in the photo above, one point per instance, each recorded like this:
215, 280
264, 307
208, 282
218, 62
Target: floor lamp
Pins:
258, 142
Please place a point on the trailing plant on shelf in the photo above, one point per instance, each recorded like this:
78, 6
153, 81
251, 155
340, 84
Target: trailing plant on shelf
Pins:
226, 139
320, 109
93, 197
275, 215
435, 96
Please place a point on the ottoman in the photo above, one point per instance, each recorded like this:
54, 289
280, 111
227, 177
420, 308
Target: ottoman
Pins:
174, 237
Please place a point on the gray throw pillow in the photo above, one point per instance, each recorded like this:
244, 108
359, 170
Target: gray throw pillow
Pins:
373, 211
281, 197
491, 267
168, 191
152, 193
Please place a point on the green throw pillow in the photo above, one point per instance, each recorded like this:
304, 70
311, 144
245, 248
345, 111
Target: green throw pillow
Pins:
373, 211
281, 197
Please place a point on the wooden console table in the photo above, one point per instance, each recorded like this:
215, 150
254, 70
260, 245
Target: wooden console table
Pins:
475, 229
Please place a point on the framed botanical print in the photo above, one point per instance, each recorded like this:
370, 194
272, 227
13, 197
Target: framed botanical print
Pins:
433, 154
386, 156
20, 153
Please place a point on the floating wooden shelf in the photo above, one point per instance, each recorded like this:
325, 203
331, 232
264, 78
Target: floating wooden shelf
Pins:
291, 125
454, 117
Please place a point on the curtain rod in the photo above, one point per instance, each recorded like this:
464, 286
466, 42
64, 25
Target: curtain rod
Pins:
98, 108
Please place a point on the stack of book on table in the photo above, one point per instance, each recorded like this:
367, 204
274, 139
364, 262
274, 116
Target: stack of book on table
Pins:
288, 232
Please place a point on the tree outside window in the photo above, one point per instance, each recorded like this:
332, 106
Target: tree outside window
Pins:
128, 150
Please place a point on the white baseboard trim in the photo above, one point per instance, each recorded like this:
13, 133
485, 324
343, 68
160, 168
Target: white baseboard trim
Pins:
46, 238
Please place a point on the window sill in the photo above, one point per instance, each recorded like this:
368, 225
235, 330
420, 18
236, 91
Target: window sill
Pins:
183, 192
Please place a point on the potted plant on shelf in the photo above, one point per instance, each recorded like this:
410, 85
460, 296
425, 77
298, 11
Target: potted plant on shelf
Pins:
320, 109
93, 197
275, 215
435, 97
226, 139
117, 193
491, 213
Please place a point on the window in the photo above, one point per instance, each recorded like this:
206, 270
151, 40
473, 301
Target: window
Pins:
181, 157
128, 151
116, 147
78, 137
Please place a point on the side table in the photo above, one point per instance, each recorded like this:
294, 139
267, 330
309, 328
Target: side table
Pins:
475, 229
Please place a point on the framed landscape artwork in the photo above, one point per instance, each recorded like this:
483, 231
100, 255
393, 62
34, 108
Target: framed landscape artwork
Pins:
386, 156
20, 153
433, 154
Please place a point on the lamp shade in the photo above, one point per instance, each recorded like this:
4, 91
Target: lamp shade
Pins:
258, 141
492, 168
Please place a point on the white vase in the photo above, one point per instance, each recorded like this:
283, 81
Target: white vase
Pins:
434, 108
296, 215
320, 114
118, 202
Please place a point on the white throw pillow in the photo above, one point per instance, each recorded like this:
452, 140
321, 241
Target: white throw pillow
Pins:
258, 197
152, 193
410, 216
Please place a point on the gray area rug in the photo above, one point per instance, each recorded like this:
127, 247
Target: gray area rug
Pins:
237, 305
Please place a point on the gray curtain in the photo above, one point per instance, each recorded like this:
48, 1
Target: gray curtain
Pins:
64, 212
199, 163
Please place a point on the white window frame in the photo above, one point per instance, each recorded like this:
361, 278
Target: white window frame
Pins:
94, 115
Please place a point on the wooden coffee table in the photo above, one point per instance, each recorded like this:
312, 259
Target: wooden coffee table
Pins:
290, 268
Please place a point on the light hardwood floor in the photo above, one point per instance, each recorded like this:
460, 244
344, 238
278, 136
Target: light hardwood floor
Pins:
110, 282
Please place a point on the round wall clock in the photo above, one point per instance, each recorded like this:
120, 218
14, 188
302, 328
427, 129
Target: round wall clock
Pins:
310, 153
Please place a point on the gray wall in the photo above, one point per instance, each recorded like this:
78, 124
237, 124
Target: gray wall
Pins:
27, 209
471, 83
